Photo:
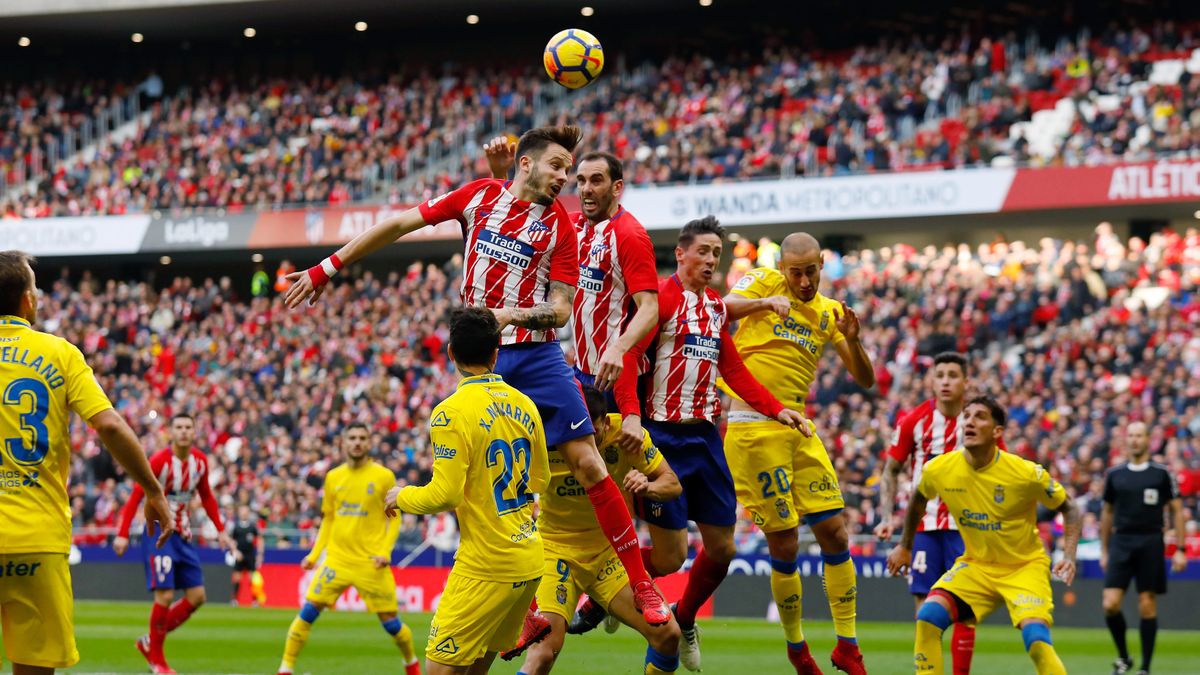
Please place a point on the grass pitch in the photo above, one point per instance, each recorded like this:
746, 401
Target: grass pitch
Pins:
221, 639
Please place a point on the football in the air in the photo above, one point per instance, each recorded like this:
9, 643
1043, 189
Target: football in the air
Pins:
573, 58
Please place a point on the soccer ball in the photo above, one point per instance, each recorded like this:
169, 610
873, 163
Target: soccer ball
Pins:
573, 58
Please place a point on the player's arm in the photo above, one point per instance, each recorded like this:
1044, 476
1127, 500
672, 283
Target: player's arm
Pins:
310, 284
1072, 526
900, 557
659, 484
850, 350
888, 482
748, 297
636, 255
553, 313
501, 155
209, 502
324, 530
739, 379
625, 390
446, 489
123, 445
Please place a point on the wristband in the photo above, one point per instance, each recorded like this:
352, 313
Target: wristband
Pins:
321, 274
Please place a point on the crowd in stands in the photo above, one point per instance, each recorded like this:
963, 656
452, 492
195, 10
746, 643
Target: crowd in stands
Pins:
1075, 338
897, 105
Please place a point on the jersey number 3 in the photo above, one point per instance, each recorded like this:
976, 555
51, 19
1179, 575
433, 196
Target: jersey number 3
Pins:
34, 394
511, 467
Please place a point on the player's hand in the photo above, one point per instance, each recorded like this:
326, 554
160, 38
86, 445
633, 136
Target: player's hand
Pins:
630, 438
157, 510
503, 317
795, 420
501, 155
898, 561
846, 322
308, 563
389, 502
1104, 561
120, 545
779, 304
636, 483
612, 362
227, 542
884, 530
1178, 561
238, 555
301, 289
380, 562
1065, 569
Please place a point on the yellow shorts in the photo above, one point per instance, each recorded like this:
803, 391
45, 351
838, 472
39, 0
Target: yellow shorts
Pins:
1025, 590
37, 609
475, 617
571, 570
377, 587
780, 474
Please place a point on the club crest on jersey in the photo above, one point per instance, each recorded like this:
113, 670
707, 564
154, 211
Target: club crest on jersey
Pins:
597, 249
370, 488
538, 226
560, 594
611, 455
825, 320
781, 506
656, 509
998, 495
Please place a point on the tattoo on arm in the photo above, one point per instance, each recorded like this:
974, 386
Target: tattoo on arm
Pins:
552, 313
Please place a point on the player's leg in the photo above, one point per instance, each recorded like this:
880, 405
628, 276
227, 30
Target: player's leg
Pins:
841, 586
962, 642
1026, 593
540, 658
1148, 626
23, 669
37, 612
377, 588
708, 571
1036, 635
239, 575
258, 588
667, 555
557, 595
182, 609
402, 635
323, 590
1117, 576
964, 594
1151, 582
787, 591
662, 650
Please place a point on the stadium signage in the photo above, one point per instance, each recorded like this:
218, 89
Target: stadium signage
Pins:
334, 226
100, 235
1160, 181
196, 231
202, 231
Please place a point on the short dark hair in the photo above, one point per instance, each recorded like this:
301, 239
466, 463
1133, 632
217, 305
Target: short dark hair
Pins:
705, 225
14, 280
182, 416
474, 335
999, 415
615, 171
535, 141
597, 405
951, 357
357, 425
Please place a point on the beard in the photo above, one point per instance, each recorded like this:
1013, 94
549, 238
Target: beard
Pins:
541, 187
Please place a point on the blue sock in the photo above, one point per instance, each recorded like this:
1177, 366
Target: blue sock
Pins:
1035, 632
797, 646
392, 625
309, 612
662, 661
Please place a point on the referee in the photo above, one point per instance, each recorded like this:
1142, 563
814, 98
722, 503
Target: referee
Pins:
1135, 494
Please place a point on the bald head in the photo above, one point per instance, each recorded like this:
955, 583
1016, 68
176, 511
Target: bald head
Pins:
800, 244
800, 263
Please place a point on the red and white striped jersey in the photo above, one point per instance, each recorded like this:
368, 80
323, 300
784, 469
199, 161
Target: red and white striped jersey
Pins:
690, 348
514, 249
920, 436
181, 479
616, 260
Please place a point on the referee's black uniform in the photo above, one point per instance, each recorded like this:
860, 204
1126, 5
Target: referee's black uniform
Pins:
1138, 494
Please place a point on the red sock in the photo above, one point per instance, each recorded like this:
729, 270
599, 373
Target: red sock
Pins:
648, 563
702, 581
179, 612
158, 630
962, 648
617, 525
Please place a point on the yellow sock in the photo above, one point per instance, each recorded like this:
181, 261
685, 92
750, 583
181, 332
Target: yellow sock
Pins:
257, 587
1045, 659
296, 639
652, 669
786, 590
404, 640
927, 652
842, 591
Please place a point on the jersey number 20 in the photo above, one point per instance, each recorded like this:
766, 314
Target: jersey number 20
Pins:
509, 457
33, 393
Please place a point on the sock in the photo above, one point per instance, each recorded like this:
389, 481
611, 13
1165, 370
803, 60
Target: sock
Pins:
297, 637
842, 591
258, 587
402, 634
1045, 659
618, 527
795, 653
237, 587
1149, 630
703, 579
962, 648
158, 630
648, 563
658, 663
927, 653
786, 589
180, 610
1116, 626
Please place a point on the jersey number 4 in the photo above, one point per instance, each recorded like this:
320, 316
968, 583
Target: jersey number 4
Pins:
31, 393
509, 457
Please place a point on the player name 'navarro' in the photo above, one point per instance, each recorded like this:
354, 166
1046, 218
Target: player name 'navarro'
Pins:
22, 357
978, 521
504, 409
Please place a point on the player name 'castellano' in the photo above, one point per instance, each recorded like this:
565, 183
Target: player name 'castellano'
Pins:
47, 370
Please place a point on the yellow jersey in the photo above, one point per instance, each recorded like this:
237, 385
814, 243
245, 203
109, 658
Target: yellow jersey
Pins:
489, 458
566, 509
996, 506
354, 526
44, 377
783, 354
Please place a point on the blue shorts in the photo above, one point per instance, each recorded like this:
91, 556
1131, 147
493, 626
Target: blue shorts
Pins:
695, 453
176, 565
934, 554
539, 370
590, 381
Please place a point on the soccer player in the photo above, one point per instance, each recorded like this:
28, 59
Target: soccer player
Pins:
688, 349
45, 379
931, 430
489, 457
784, 475
248, 556
357, 538
994, 497
522, 262
183, 471
1135, 494
578, 559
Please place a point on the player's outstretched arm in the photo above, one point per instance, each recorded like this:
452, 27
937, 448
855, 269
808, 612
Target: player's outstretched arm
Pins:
310, 284
887, 498
553, 313
900, 557
324, 532
1072, 525
851, 351
740, 306
123, 445
447, 488
644, 321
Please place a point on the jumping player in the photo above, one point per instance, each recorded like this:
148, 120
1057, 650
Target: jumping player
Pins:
183, 471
